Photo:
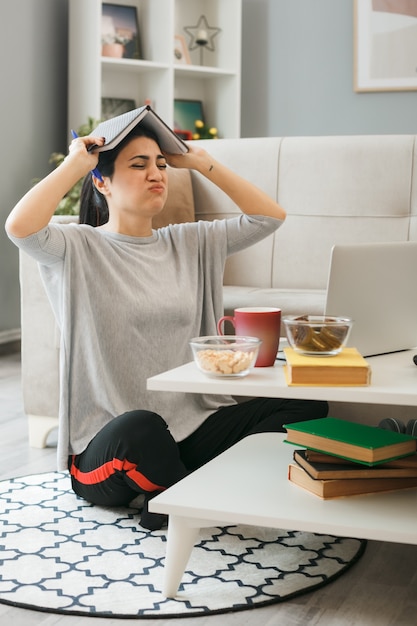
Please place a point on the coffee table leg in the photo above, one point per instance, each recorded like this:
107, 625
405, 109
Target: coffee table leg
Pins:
180, 541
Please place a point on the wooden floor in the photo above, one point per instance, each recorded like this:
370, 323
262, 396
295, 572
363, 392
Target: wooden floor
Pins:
380, 590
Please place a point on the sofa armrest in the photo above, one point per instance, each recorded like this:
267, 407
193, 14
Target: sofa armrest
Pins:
40, 343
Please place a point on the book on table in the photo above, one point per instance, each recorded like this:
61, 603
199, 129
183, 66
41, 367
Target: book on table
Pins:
340, 487
350, 440
115, 129
346, 368
404, 462
341, 469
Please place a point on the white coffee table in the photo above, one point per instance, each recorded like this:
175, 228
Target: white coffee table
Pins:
248, 483
394, 381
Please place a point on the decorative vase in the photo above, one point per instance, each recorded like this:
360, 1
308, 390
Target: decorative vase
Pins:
112, 50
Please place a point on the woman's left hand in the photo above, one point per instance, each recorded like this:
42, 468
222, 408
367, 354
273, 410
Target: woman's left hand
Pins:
195, 159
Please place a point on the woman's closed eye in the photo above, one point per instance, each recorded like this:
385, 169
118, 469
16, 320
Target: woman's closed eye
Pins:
142, 166
141, 162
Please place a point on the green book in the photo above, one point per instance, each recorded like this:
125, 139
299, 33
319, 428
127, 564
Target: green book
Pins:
349, 440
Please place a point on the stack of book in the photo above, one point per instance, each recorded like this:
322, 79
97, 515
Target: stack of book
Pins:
346, 368
342, 458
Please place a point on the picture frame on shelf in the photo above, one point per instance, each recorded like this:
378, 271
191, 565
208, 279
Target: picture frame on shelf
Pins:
186, 112
385, 35
111, 107
181, 54
120, 35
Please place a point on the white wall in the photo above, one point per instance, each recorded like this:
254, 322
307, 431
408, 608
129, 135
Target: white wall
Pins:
33, 62
298, 74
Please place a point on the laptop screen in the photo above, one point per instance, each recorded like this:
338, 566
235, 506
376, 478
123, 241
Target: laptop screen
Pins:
376, 285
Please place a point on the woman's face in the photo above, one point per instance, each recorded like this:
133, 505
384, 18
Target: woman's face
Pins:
139, 184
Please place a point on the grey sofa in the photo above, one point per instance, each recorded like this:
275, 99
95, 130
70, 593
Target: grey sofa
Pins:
334, 189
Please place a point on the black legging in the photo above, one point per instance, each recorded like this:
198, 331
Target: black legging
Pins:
136, 453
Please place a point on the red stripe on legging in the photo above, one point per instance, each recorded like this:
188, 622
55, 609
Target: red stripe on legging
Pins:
100, 474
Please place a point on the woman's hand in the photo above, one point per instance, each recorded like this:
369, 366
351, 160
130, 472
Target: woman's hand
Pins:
195, 159
81, 153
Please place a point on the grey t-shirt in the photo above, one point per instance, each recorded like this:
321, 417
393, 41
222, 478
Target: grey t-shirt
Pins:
127, 308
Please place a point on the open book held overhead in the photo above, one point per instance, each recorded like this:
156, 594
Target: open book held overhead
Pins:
115, 130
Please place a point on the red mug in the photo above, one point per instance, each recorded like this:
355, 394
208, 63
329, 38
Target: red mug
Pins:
261, 322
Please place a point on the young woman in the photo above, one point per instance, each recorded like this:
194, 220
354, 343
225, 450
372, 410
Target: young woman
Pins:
128, 299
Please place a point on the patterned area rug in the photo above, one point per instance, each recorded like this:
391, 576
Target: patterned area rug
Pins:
61, 554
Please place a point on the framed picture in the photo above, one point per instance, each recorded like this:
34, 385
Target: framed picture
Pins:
111, 107
385, 45
186, 112
181, 54
120, 31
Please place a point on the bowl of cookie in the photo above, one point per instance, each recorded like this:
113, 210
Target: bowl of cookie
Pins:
225, 355
317, 335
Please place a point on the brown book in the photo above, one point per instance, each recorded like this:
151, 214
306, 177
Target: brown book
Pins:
406, 462
337, 488
346, 470
346, 368
350, 440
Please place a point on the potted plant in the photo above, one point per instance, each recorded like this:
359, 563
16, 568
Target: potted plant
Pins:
202, 131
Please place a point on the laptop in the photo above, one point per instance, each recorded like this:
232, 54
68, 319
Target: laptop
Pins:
376, 285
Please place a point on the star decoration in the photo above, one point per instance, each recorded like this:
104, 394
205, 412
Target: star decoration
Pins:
202, 28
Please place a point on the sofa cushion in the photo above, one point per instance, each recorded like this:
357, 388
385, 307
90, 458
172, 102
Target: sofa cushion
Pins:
337, 190
180, 202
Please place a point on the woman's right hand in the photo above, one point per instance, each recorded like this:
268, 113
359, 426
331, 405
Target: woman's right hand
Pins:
80, 149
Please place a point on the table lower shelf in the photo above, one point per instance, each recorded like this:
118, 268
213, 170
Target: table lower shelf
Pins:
248, 484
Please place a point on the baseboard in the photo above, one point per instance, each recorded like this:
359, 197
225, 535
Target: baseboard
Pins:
9, 336
10, 341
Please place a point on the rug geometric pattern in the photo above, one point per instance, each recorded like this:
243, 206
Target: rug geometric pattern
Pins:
64, 555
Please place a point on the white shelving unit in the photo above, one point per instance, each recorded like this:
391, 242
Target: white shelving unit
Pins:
157, 76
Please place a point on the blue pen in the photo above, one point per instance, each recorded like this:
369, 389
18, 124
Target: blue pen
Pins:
95, 171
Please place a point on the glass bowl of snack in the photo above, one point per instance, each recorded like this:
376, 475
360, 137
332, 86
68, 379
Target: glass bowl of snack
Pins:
316, 335
225, 355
